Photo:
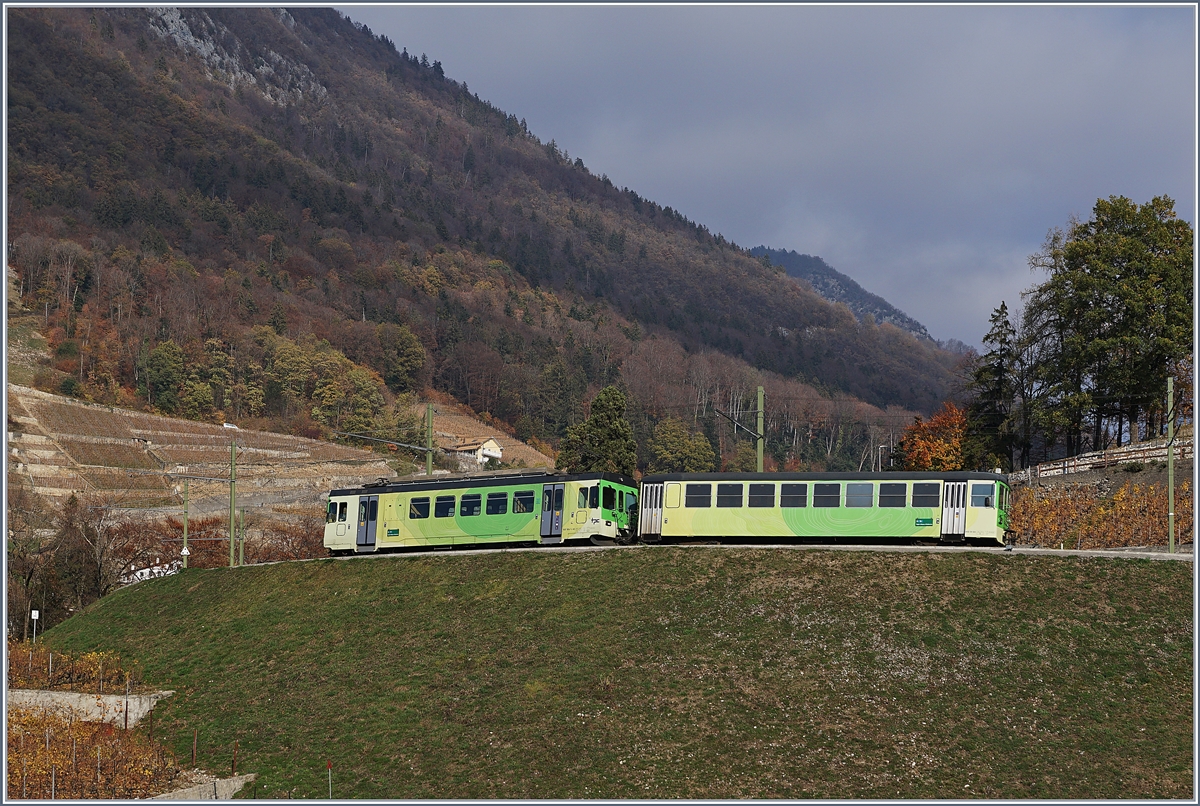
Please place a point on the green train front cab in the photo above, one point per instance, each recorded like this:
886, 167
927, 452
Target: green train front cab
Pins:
861, 507
481, 510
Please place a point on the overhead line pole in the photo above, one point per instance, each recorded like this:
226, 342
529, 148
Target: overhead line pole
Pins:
232, 496
758, 435
429, 440
761, 432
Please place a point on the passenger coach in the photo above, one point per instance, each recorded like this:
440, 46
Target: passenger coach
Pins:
853, 507
480, 510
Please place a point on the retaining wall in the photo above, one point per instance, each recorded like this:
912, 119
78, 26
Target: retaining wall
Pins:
223, 789
89, 707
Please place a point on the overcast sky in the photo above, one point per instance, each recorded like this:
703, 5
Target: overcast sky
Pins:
923, 151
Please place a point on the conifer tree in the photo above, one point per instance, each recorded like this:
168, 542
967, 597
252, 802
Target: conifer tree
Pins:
989, 438
604, 441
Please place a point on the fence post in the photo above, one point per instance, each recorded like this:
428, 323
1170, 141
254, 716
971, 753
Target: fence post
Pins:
1170, 464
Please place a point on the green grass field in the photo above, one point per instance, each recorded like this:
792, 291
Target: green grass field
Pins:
674, 672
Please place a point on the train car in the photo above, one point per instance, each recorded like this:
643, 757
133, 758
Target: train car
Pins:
853, 507
534, 507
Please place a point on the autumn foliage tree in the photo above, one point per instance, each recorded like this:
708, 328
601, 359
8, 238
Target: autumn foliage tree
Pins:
936, 444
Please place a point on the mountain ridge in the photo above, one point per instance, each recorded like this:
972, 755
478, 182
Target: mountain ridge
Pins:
835, 286
286, 180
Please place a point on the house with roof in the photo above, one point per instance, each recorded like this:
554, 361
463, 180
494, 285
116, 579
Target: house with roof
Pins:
474, 453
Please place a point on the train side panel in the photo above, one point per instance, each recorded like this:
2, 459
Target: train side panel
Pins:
813, 506
432, 514
732, 515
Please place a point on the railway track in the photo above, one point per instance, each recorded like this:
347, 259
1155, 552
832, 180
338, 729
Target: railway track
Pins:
1129, 554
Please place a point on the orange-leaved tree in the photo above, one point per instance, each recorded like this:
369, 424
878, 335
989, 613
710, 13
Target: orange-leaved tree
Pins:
934, 445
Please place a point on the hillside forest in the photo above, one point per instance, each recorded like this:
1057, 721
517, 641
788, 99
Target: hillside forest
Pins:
282, 220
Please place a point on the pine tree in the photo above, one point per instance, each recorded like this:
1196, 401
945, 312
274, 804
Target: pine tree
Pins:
604, 441
989, 438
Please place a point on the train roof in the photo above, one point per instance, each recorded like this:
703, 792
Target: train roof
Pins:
897, 475
501, 479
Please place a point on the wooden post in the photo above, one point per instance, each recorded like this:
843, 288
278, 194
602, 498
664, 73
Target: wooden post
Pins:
185, 522
1171, 464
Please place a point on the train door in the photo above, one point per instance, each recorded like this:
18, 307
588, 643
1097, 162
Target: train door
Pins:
552, 512
651, 514
954, 509
368, 516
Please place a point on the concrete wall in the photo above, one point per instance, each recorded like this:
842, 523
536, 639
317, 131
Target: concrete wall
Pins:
89, 707
224, 789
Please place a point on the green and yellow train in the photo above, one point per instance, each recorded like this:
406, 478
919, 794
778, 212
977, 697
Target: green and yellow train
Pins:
536, 507
547, 508
828, 507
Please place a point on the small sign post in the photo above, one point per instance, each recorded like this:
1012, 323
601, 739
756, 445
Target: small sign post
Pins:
34, 615
329, 766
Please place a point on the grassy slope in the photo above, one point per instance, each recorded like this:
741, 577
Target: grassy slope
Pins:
662, 672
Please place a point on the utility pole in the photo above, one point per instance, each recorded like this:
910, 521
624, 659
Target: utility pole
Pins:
761, 434
759, 437
1171, 464
428, 440
232, 496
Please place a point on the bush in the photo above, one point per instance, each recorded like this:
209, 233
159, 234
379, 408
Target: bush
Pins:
1080, 518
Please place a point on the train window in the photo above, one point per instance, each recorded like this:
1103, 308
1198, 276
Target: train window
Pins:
523, 501
892, 495
342, 512
497, 504
698, 495
443, 507
362, 511
630, 501
374, 510
1003, 497
793, 495
860, 494
547, 499
594, 497
729, 495
331, 513
827, 495
762, 495
470, 505
418, 508
927, 495
982, 495
609, 498
583, 498
558, 498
